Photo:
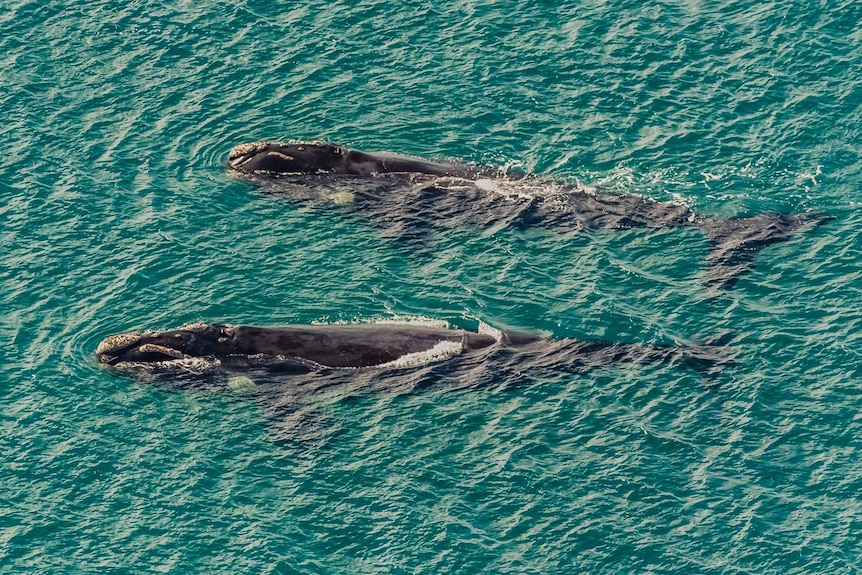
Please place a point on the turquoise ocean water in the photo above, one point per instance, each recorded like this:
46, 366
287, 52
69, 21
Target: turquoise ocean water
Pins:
118, 215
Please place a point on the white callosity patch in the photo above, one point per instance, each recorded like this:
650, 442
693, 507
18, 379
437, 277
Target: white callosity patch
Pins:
413, 320
117, 342
244, 152
187, 364
153, 348
196, 327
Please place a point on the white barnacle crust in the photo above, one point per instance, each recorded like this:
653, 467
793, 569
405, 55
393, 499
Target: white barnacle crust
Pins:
186, 364
243, 149
153, 348
117, 342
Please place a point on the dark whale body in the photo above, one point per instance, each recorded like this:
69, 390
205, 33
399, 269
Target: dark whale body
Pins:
279, 159
300, 348
401, 194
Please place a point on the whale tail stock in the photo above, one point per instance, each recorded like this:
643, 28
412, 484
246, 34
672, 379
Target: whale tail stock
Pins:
535, 355
734, 242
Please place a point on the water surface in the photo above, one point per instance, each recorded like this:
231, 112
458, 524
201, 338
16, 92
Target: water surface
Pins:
119, 215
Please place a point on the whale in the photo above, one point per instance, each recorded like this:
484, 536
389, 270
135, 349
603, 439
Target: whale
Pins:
303, 349
405, 196
293, 372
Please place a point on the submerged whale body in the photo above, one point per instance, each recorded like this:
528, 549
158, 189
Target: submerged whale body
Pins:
402, 193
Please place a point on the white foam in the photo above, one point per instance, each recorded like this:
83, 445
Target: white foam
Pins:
487, 184
486, 329
413, 320
394, 320
443, 350
508, 188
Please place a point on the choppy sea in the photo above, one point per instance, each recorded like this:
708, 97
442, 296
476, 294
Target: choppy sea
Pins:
118, 214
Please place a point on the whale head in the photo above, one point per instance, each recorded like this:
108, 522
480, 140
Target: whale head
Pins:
278, 158
161, 350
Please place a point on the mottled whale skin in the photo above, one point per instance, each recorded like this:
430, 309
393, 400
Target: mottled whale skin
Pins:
409, 202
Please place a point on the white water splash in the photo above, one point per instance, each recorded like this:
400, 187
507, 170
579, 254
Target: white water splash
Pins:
490, 330
443, 350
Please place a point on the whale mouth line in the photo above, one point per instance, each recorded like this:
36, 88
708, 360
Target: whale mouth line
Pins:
240, 162
156, 353
116, 349
111, 350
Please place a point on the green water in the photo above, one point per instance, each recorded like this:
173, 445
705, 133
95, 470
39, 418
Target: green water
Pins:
118, 215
